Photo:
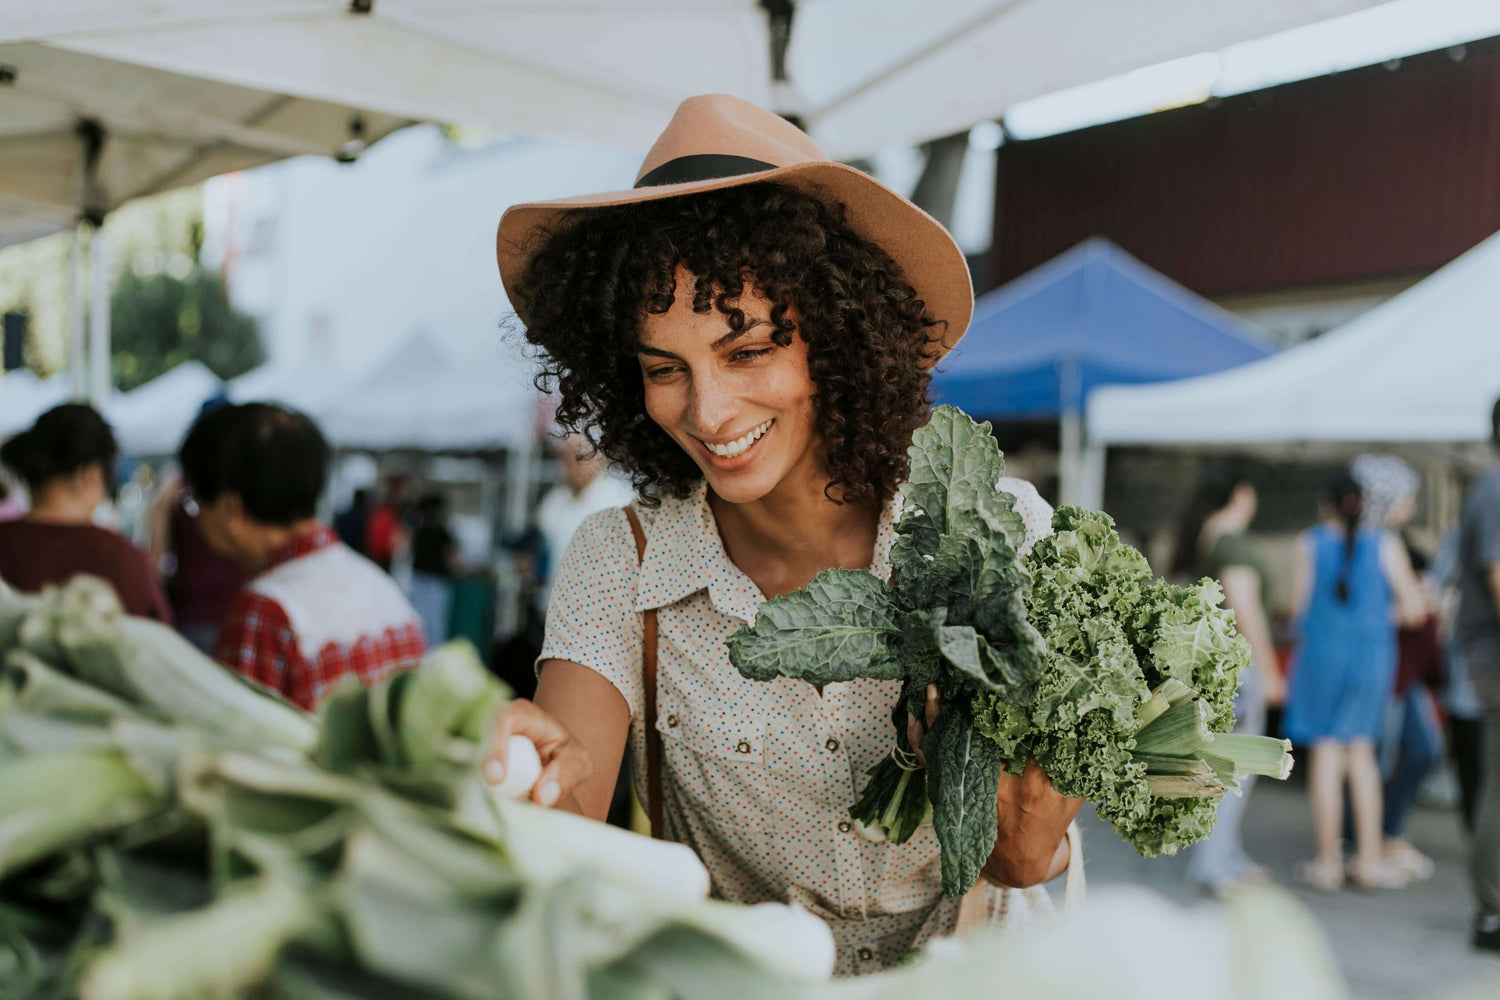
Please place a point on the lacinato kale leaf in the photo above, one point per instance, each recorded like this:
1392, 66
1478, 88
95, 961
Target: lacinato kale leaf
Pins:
839, 628
963, 776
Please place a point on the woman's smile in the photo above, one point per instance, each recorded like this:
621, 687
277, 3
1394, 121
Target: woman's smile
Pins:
736, 452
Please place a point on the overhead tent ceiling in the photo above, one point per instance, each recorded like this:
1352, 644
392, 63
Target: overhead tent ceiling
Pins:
145, 130
861, 74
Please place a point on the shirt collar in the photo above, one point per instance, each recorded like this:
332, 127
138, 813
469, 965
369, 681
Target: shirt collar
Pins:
684, 554
300, 545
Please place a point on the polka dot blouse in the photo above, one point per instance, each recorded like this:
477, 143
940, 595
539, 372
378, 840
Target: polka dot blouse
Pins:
756, 777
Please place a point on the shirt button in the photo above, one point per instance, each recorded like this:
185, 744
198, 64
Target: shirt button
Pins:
865, 954
672, 721
832, 744
845, 826
743, 746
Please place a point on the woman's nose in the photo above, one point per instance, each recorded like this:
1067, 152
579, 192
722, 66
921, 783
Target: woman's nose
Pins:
711, 406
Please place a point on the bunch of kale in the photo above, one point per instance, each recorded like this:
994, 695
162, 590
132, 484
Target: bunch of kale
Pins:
954, 615
1119, 684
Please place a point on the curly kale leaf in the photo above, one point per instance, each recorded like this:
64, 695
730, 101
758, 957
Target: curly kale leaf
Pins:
1196, 642
839, 628
963, 780
1090, 667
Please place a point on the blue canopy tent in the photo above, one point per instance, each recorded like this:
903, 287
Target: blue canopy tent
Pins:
1093, 316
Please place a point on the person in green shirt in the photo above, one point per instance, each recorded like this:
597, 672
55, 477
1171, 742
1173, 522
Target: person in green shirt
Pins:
1212, 542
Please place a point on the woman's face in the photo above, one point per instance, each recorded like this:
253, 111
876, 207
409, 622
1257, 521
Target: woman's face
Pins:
739, 404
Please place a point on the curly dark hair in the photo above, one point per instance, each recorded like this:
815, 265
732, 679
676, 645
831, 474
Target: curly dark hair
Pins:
595, 277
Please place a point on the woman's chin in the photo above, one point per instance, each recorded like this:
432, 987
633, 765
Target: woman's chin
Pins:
738, 487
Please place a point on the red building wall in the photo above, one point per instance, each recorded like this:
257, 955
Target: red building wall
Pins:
1365, 174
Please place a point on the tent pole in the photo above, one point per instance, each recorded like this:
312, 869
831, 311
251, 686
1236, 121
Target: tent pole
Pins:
1070, 460
1091, 478
99, 366
77, 359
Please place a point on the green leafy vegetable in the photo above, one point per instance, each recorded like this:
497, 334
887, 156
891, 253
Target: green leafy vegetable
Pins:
1119, 684
1133, 709
953, 615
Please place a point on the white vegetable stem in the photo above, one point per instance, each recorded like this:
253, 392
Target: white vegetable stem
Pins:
551, 844
522, 768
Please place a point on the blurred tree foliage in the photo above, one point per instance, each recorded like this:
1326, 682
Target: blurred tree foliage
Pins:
162, 319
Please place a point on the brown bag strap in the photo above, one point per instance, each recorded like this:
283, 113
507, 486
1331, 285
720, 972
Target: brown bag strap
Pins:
648, 676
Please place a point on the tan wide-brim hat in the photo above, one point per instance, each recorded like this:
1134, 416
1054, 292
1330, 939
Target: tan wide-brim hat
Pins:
716, 142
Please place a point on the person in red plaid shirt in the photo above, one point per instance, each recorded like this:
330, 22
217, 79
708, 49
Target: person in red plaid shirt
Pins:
314, 610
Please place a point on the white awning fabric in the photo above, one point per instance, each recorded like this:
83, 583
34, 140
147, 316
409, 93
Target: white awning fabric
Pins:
423, 398
1424, 366
862, 74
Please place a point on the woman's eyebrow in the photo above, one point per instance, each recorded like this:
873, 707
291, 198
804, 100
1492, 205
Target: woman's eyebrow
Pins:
733, 335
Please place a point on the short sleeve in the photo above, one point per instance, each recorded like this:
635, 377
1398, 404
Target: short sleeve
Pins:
591, 616
1036, 513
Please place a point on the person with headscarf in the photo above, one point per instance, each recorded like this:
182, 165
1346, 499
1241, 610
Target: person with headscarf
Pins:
1412, 740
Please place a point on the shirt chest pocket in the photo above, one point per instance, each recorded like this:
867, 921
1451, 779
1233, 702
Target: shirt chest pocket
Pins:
726, 739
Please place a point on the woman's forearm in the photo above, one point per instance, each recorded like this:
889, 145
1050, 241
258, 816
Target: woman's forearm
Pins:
1013, 869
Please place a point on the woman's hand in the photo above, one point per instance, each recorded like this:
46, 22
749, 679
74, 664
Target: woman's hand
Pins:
1033, 818
565, 763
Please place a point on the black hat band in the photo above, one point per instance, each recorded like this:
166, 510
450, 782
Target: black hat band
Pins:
702, 167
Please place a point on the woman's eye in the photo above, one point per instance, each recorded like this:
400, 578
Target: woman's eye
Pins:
657, 374
750, 353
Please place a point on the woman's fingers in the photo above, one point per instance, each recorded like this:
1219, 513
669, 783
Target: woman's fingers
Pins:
917, 728
914, 733
565, 763
569, 768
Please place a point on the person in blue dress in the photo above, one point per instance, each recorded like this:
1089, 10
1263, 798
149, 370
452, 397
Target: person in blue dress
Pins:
1353, 587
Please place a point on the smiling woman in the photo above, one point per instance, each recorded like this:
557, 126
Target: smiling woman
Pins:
754, 279
748, 333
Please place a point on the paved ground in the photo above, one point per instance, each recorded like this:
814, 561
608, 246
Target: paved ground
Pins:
1391, 945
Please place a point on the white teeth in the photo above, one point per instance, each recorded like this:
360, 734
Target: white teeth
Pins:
739, 445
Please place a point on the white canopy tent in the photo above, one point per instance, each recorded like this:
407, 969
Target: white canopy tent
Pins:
862, 74
81, 134
423, 398
1422, 367
24, 397
151, 419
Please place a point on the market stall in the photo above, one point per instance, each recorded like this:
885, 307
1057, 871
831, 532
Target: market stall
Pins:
1091, 317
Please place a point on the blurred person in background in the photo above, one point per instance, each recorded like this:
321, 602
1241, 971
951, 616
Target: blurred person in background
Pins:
313, 610
352, 523
199, 581
1212, 542
434, 552
1349, 580
1412, 738
1478, 629
385, 528
584, 486
1461, 704
67, 461
12, 505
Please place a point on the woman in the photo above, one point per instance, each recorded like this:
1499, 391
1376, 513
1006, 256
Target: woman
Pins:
1412, 737
1212, 542
1353, 585
748, 334
66, 460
